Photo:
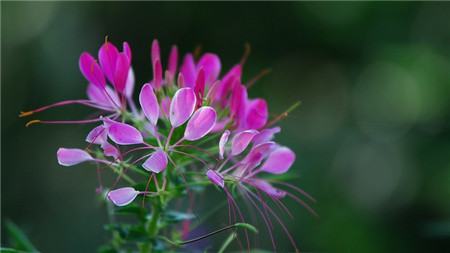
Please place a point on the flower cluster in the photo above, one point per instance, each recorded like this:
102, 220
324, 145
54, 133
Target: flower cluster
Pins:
194, 127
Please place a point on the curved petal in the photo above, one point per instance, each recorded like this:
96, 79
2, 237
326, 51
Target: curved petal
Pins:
157, 162
157, 74
124, 134
233, 76
126, 50
266, 135
222, 142
201, 123
155, 51
258, 153
188, 70
215, 178
98, 96
268, 188
110, 150
72, 156
98, 135
279, 161
121, 72
129, 85
238, 103
211, 64
149, 103
122, 196
165, 107
182, 106
173, 60
257, 113
91, 70
107, 56
200, 87
241, 140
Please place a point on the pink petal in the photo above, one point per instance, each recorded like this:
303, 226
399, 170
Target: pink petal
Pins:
127, 50
98, 96
180, 80
110, 150
165, 107
279, 161
122, 196
212, 92
211, 64
107, 56
222, 142
189, 71
257, 113
157, 74
91, 70
155, 51
219, 126
266, 135
200, 87
129, 86
72, 156
233, 76
201, 123
157, 162
258, 153
152, 129
124, 134
215, 178
149, 103
267, 188
241, 140
238, 103
173, 60
121, 72
103, 96
182, 106
98, 135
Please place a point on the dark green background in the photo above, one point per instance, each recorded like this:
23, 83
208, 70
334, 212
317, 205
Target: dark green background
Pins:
372, 135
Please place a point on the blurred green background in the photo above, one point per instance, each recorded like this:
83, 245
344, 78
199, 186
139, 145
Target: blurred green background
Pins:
372, 136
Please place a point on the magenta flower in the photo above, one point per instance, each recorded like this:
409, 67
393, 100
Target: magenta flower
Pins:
168, 142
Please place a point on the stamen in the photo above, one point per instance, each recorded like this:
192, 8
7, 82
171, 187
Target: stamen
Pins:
284, 114
61, 103
31, 122
197, 51
146, 188
260, 75
247, 51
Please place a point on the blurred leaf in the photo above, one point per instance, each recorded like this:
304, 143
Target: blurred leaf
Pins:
18, 239
10, 250
175, 216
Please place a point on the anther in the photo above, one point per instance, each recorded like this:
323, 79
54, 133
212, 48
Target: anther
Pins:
24, 114
31, 122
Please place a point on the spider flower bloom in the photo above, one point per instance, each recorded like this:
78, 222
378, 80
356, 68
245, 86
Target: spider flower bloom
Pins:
174, 129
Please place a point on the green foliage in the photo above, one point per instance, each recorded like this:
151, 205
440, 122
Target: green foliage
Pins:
17, 239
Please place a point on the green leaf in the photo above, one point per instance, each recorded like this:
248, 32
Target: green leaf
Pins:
18, 239
10, 250
227, 242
